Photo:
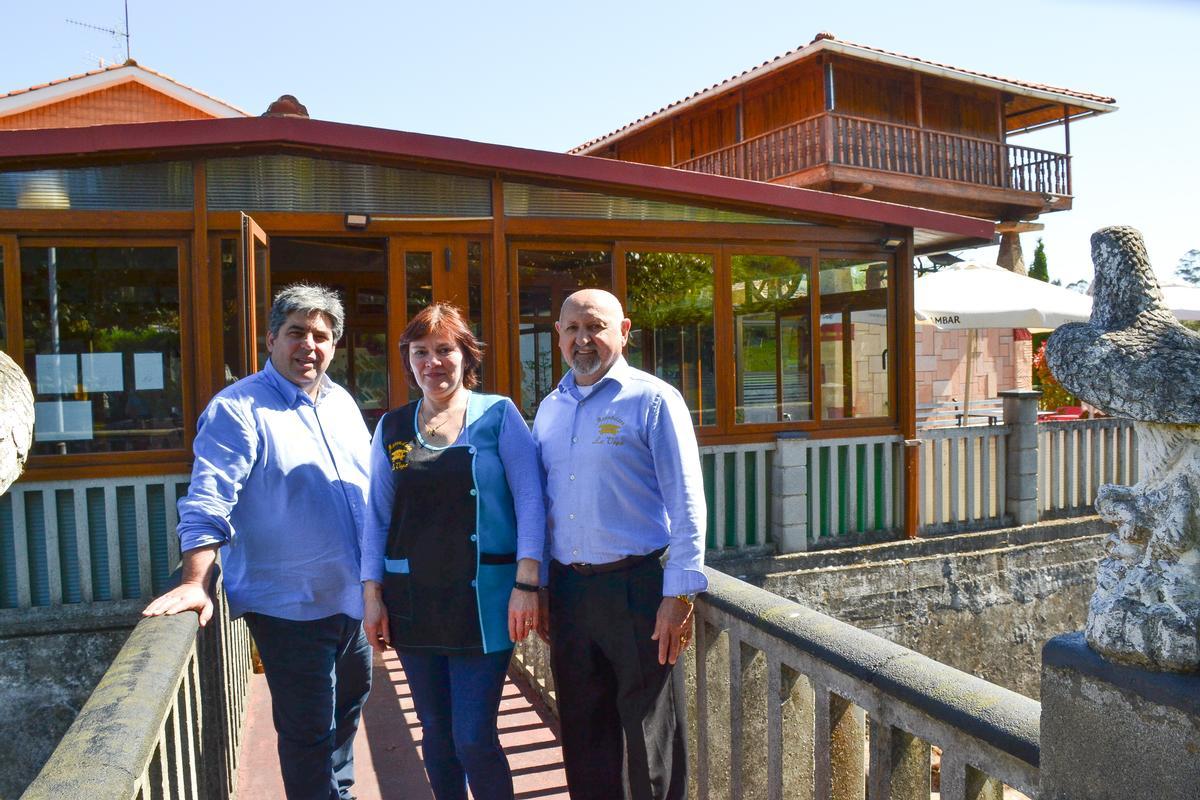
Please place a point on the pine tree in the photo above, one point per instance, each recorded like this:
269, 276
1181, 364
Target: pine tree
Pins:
1039, 268
1188, 268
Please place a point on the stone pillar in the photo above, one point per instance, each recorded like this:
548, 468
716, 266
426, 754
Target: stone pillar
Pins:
1010, 256
1114, 732
1020, 494
789, 494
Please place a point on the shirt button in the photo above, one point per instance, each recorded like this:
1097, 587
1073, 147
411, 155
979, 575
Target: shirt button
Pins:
572, 516
474, 492
471, 450
574, 439
472, 584
574, 552
572, 477
474, 537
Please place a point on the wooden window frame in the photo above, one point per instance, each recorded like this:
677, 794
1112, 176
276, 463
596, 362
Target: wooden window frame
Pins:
103, 465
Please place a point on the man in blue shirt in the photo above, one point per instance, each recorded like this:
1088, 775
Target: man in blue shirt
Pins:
623, 488
279, 486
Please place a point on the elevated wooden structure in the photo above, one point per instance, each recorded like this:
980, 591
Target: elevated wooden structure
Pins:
853, 119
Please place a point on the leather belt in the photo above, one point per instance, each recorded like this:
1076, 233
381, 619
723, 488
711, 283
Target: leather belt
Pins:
628, 562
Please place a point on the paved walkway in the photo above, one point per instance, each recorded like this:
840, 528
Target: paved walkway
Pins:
387, 750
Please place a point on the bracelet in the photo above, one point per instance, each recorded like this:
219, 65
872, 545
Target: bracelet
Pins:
526, 587
690, 599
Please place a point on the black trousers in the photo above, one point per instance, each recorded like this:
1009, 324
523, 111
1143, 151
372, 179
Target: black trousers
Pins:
618, 707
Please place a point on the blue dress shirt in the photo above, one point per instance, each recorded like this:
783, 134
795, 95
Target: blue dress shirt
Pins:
623, 475
280, 481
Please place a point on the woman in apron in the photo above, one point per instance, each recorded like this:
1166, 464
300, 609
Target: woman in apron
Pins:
455, 532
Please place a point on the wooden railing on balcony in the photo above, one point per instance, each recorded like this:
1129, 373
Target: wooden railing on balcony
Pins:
884, 146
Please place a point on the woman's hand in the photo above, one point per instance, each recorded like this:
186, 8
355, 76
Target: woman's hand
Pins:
523, 605
375, 617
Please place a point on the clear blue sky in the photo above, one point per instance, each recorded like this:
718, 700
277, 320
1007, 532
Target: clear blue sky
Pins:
551, 75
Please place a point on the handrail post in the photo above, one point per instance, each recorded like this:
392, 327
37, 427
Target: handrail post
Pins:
1020, 415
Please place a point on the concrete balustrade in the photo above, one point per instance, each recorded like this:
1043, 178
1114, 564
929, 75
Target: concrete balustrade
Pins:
165, 721
788, 702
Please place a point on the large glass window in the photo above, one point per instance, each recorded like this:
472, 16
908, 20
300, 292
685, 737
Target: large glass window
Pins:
102, 347
772, 340
545, 278
855, 368
670, 302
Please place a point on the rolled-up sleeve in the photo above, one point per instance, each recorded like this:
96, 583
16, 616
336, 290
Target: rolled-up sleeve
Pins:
519, 455
381, 497
677, 466
225, 448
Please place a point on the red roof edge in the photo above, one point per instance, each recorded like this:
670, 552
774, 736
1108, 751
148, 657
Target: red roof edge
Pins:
104, 140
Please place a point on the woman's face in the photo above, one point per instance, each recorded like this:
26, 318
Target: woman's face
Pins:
437, 363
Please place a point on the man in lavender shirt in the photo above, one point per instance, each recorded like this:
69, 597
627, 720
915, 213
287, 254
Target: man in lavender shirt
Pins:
625, 518
279, 487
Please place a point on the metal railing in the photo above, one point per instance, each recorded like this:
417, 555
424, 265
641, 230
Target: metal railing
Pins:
888, 147
788, 702
1076, 457
963, 477
87, 540
165, 721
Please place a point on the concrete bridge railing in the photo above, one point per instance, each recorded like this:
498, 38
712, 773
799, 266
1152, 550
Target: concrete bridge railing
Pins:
165, 721
787, 702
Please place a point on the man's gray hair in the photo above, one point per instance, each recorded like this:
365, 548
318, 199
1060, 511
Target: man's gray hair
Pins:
310, 299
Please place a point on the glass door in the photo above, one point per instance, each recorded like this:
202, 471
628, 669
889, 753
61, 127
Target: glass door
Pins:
254, 295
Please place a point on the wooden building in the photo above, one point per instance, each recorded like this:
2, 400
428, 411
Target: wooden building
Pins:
853, 119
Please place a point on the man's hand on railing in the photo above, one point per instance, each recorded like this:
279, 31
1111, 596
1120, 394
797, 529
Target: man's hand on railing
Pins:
184, 597
192, 592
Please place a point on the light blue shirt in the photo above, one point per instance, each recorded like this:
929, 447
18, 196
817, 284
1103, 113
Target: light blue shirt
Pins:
280, 481
622, 474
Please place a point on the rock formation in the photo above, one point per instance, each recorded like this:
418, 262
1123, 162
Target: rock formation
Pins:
1133, 359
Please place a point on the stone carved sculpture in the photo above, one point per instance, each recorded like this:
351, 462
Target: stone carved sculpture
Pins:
1133, 359
16, 421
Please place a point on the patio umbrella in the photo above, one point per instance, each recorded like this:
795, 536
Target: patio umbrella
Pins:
971, 295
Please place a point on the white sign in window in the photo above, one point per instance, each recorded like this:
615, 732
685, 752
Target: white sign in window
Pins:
57, 373
102, 372
62, 420
147, 371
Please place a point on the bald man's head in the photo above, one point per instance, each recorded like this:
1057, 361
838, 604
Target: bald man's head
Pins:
592, 330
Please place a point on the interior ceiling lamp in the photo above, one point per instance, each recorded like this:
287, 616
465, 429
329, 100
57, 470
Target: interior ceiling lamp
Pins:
893, 242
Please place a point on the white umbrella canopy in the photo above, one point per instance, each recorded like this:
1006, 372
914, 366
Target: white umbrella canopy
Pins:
970, 295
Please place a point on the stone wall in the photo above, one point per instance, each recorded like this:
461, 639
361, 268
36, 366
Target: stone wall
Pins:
984, 603
50, 661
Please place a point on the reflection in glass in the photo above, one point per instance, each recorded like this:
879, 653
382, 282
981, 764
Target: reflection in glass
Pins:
475, 298
545, 278
418, 281
670, 302
230, 334
102, 346
771, 337
855, 369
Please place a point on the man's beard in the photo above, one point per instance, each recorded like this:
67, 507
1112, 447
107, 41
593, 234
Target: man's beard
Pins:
586, 364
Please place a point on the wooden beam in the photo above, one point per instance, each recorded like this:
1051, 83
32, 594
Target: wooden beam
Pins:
501, 290
14, 334
1019, 226
906, 333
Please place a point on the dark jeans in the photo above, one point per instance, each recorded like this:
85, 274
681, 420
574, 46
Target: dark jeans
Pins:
618, 707
457, 700
319, 673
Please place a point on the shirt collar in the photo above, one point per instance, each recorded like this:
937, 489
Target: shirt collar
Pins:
618, 372
292, 393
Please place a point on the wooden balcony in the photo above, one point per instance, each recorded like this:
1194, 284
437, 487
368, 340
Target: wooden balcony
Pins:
900, 163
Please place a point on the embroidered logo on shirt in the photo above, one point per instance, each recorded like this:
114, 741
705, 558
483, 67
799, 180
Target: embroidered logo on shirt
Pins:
398, 454
608, 430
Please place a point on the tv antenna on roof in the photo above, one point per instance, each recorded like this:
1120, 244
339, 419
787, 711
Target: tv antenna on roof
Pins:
111, 31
